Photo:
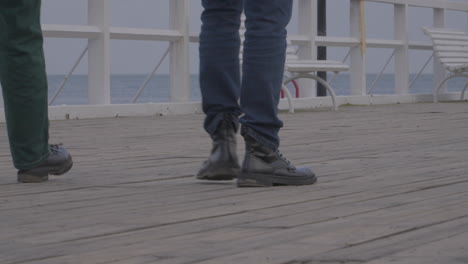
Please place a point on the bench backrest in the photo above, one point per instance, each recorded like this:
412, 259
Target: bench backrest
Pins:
450, 46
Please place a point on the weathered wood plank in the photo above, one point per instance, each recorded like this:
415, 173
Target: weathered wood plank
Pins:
392, 187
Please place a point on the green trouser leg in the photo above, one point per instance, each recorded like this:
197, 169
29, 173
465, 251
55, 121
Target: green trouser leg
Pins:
24, 81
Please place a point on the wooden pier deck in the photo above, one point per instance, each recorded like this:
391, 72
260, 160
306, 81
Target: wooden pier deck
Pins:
393, 188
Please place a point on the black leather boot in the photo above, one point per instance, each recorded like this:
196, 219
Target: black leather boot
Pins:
223, 164
59, 162
266, 167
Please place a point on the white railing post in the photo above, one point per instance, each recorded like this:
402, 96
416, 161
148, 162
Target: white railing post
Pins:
439, 70
466, 22
98, 54
179, 56
401, 54
358, 70
307, 22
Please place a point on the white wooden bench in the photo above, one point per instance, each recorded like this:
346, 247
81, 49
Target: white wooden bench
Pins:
451, 49
308, 69
299, 69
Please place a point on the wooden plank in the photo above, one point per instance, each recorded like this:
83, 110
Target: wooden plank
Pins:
449, 250
392, 182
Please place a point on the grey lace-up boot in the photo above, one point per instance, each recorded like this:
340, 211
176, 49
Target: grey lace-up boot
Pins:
59, 162
265, 167
223, 164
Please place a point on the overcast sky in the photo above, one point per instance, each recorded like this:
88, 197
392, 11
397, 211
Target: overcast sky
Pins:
129, 57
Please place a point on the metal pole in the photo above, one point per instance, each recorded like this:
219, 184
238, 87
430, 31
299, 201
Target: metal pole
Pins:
148, 79
381, 72
67, 77
421, 71
322, 51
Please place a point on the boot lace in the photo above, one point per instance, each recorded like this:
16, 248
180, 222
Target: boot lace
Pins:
54, 148
283, 158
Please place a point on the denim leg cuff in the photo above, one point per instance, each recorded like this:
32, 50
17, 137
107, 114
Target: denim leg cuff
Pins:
249, 131
212, 124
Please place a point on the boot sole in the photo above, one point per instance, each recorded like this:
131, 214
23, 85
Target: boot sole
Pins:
43, 174
265, 180
221, 174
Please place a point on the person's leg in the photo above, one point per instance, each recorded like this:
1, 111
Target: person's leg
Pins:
263, 67
24, 82
219, 60
24, 86
220, 85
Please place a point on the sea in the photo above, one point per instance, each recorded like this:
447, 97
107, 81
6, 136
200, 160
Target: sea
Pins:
124, 87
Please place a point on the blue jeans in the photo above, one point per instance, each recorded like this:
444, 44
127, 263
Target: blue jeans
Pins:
262, 70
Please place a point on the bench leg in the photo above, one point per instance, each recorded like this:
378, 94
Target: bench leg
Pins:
318, 79
437, 91
463, 92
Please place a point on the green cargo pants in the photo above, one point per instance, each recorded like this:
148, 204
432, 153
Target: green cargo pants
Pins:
24, 82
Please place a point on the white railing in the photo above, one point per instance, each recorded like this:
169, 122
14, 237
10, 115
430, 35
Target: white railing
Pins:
99, 32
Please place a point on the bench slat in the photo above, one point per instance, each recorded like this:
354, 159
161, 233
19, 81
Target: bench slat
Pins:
449, 37
314, 66
291, 50
454, 60
431, 31
450, 49
453, 55
459, 43
457, 67
326, 62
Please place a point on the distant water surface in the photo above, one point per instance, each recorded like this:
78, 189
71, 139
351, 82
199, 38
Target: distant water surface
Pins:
124, 87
